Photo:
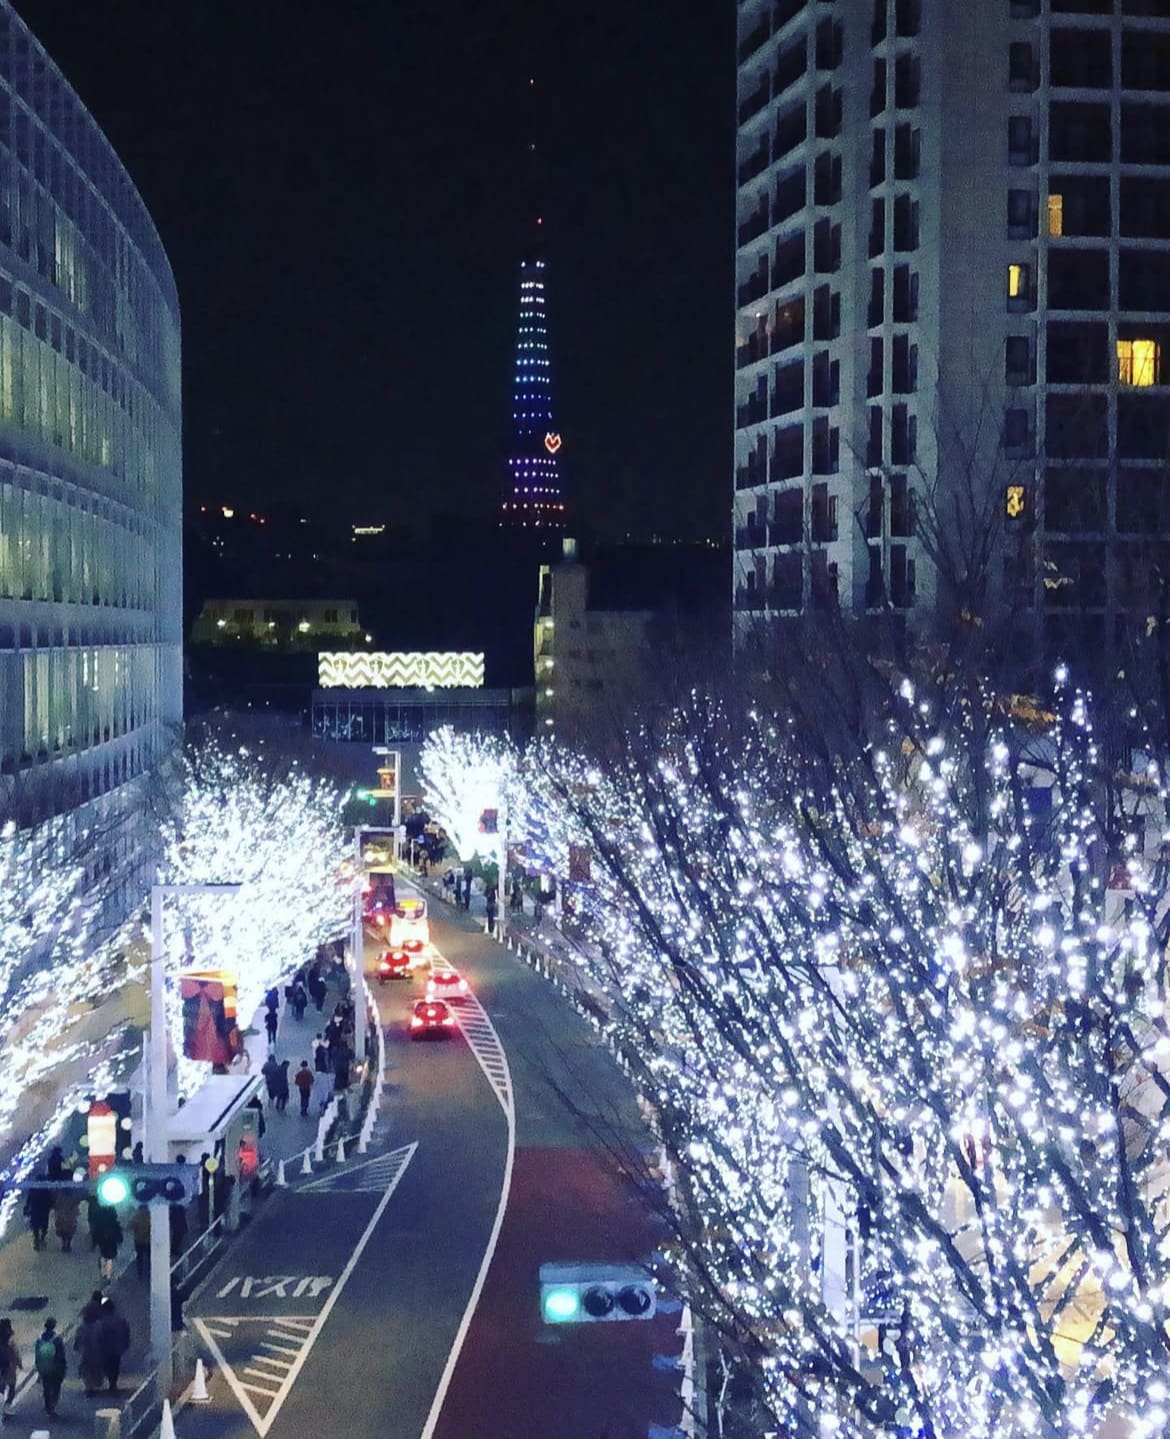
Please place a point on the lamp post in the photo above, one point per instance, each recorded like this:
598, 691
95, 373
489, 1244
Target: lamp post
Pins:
155, 1113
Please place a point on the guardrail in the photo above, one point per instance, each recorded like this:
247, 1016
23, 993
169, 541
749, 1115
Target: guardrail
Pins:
143, 1409
199, 1253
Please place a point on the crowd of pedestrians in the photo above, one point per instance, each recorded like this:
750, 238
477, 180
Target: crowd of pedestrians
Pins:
327, 1070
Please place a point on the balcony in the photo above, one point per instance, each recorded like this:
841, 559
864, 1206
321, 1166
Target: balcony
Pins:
755, 102
749, 475
754, 165
753, 289
753, 228
752, 413
753, 40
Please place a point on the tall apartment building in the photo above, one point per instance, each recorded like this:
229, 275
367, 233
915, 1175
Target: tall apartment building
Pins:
953, 294
90, 467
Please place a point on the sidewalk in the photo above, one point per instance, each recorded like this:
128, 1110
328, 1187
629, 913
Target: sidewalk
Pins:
35, 1285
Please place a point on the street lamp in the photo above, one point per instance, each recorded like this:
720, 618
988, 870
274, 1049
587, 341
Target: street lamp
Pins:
155, 1109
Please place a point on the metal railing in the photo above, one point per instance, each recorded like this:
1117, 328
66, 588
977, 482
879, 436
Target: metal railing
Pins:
198, 1253
143, 1409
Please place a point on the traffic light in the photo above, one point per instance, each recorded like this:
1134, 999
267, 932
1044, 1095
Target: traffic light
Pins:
174, 1183
594, 1293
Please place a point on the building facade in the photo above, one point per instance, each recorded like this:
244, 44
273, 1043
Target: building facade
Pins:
271, 624
90, 464
952, 298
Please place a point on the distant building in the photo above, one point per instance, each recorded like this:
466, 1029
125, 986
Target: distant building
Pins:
279, 624
595, 625
90, 471
953, 279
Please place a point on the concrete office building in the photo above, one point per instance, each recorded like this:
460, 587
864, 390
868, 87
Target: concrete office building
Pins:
90, 468
952, 298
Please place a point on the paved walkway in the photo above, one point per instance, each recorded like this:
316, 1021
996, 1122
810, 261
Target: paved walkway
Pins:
34, 1285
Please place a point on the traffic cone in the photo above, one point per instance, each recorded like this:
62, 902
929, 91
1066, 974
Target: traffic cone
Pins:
307, 1162
166, 1430
199, 1394
281, 1181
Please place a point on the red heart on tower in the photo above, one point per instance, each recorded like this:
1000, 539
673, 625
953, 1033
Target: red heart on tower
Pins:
552, 443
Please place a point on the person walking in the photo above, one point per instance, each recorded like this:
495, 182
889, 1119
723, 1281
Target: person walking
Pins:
282, 1090
341, 1059
66, 1208
490, 904
303, 1079
49, 1362
271, 1073
140, 1233
270, 1022
88, 1344
300, 1001
10, 1364
322, 1091
115, 1340
108, 1236
320, 1056
38, 1206
55, 1169
177, 1219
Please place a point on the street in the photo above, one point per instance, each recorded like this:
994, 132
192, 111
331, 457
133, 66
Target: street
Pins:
404, 1282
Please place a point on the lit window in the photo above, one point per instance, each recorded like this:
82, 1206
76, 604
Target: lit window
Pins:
1056, 214
1138, 362
1017, 281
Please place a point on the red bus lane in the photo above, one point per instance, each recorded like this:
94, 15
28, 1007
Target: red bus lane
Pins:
516, 1376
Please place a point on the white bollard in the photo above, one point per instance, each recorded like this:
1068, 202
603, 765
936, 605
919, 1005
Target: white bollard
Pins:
363, 1142
307, 1163
341, 1151
199, 1394
281, 1181
166, 1430
319, 1152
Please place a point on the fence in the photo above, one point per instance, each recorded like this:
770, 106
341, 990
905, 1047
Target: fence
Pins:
143, 1410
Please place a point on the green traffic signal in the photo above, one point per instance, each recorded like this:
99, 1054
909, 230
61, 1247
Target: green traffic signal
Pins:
113, 1188
561, 1303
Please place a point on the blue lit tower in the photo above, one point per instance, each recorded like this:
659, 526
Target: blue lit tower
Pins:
533, 495
534, 498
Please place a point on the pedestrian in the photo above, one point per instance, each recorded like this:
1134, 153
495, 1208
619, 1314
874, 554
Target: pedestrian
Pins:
177, 1219
303, 1079
140, 1233
55, 1169
136, 1153
66, 1207
88, 1343
341, 1059
257, 1104
322, 1091
10, 1364
282, 1090
300, 1001
320, 1056
49, 1362
490, 903
271, 1071
38, 1206
115, 1340
270, 1022
272, 998
108, 1236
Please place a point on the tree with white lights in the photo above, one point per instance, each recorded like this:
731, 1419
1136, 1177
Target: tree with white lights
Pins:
911, 1067
462, 776
277, 832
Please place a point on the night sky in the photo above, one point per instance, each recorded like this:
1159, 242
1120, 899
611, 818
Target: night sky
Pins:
341, 190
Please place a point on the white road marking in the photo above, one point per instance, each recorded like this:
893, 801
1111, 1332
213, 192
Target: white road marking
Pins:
263, 1422
374, 1174
493, 1061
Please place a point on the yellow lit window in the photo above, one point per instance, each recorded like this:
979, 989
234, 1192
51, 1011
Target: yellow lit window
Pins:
1056, 214
1138, 362
1017, 281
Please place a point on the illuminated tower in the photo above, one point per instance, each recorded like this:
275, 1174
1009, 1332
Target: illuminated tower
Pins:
534, 498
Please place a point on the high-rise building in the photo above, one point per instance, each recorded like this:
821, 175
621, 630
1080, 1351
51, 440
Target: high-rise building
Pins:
533, 497
90, 467
952, 298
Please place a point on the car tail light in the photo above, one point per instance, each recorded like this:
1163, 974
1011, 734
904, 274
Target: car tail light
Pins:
415, 1022
450, 1019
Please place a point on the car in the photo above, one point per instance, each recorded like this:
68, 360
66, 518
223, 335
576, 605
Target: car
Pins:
446, 984
393, 964
430, 1017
